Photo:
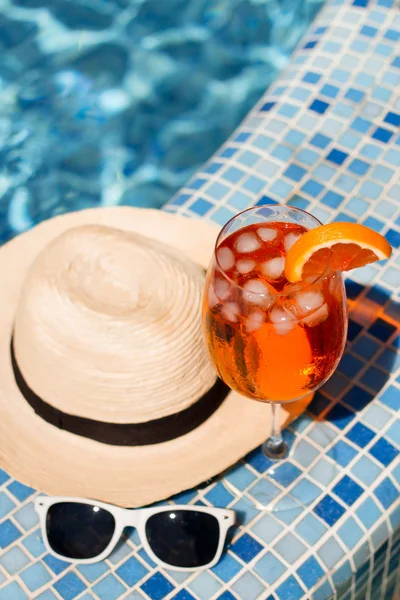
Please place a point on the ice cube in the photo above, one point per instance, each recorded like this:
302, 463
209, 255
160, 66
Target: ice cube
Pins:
309, 301
255, 320
257, 292
247, 242
292, 288
290, 239
230, 311
282, 320
222, 288
226, 258
212, 297
273, 268
318, 316
267, 234
245, 266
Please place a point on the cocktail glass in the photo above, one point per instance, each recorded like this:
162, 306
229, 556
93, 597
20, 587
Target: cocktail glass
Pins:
271, 340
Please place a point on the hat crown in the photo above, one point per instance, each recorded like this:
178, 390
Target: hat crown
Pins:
108, 327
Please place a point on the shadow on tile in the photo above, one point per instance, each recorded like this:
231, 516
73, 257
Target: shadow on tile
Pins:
369, 359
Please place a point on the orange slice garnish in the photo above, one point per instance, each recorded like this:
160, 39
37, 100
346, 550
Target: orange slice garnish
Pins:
341, 246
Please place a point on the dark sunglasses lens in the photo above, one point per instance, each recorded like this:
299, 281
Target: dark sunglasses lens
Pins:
183, 538
79, 531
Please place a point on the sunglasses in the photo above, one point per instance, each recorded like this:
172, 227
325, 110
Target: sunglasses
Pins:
176, 537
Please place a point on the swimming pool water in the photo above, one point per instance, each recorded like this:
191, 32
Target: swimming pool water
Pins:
119, 101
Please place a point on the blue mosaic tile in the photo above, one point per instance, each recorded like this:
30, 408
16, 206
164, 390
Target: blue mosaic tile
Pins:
56, 565
329, 90
248, 586
26, 516
390, 397
350, 533
201, 207
14, 591
240, 477
393, 237
368, 512
290, 588
392, 118
6, 505
131, 571
357, 397
267, 528
359, 167
258, 461
323, 591
109, 587
69, 586
342, 453
319, 107
287, 509
386, 492
157, 587
310, 572
337, 156
268, 106
342, 575
227, 568
305, 491
219, 496
350, 367
50, 595
35, 576
264, 491
393, 433
340, 416
269, 568
354, 95
330, 552
34, 544
290, 548
246, 547
332, 199
20, 491
353, 330
384, 452
8, 533
348, 490
94, 571
295, 172
366, 470
14, 560
312, 187
286, 473
320, 141
360, 435
224, 596
3, 477
382, 135
246, 509
361, 125
311, 77
185, 595
329, 510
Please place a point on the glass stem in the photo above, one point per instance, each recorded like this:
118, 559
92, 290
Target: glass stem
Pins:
276, 432
275, 448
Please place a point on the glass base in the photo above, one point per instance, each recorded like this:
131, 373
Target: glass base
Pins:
275, 448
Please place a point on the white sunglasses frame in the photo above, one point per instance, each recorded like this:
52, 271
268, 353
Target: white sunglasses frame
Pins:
137, 518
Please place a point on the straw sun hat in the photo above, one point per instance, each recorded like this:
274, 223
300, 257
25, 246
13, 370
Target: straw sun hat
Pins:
106, 390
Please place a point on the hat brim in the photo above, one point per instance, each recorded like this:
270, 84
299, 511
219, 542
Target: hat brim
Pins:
61, 463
